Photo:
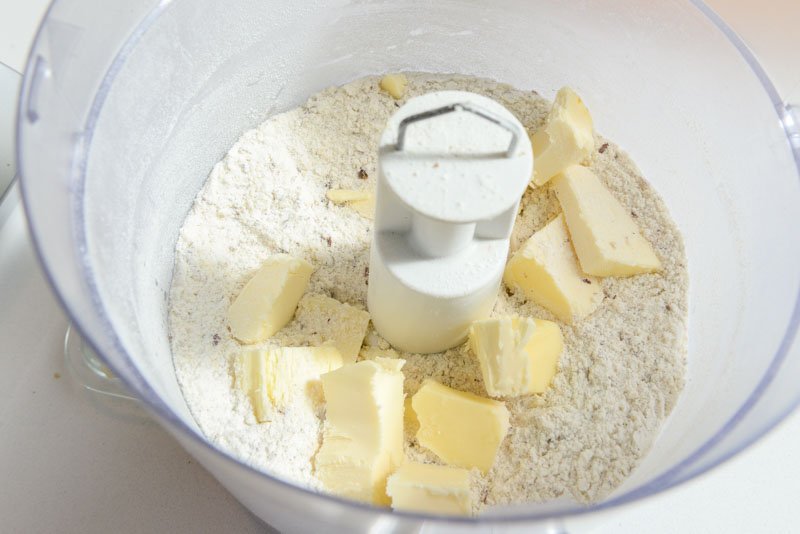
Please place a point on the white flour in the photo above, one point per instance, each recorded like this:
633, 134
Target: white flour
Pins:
622, 368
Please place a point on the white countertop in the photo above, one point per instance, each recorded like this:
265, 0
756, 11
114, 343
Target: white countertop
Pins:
71, 461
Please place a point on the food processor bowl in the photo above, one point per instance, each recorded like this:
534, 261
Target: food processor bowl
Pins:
125, 107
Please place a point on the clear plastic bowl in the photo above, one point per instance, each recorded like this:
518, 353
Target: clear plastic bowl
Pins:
125, 108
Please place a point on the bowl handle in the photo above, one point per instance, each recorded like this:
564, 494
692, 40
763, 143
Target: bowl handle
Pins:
88, 370
791, 121
10, 81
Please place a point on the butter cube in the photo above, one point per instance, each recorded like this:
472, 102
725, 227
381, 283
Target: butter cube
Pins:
545, 348
567, 137
394, 84
268, 300
343, 196
273, 376
362, 441
340, 325
365, 208
433, 489
517, 355
363, 202
546, 270
500, 345
410, 422
370, 353
606, 239
462, 429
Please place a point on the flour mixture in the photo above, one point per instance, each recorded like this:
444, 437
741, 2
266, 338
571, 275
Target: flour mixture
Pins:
622, 367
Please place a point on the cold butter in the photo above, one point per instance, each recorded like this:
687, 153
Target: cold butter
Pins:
434, 489
268, 300
462, 429
273, 376
394, 84
363, 202
606, 239
517, 355
362, 441
567, 137
339, 324
546, 270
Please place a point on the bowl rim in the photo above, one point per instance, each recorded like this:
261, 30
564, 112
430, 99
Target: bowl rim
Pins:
169, 418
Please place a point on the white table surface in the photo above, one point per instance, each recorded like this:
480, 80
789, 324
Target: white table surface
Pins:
71, 461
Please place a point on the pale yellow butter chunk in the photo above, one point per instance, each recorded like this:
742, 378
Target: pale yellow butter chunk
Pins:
566, 138
370, 353
394, 84
545, 348
363, 202
462, 429
546, 270
340, 325
365, 208
433, 489
268, 300
517, 355
500, 346
343, 196
606, 239
273, 376
362, 441
410, 422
